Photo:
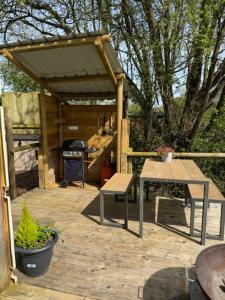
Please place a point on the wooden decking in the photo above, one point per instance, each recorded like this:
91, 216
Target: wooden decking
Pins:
98, 262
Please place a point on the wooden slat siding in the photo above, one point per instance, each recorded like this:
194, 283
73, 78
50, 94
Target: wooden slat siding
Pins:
118, 183
23, 111
197, 191
89, 120
175, 171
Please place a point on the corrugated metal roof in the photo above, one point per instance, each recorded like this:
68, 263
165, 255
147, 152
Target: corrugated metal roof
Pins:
72, 61
56, 38
83, 87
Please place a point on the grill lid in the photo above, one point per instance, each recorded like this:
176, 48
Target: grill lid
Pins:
73, 145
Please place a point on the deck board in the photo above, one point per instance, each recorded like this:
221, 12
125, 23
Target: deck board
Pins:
101, 262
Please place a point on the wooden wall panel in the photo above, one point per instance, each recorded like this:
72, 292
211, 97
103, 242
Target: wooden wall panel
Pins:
23, 109
97, 126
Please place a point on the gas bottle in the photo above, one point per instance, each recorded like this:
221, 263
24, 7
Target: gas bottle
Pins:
107, 171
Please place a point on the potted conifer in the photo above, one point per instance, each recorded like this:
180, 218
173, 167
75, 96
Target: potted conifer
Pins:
33, 245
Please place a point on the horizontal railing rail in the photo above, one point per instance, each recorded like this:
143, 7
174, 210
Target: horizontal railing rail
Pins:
177, 154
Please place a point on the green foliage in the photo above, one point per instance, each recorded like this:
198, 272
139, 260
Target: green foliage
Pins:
212, 140
16, 80
30, 234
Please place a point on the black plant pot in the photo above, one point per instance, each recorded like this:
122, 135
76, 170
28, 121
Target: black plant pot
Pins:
35, 262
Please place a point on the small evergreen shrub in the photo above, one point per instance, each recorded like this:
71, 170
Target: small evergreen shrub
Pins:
31, 235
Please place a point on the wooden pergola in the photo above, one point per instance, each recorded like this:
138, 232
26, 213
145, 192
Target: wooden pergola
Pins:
81, 67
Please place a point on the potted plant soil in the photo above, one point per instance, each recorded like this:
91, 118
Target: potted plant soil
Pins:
166, 153
33, 245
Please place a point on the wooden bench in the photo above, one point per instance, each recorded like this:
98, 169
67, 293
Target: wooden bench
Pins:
195, 192
118, 184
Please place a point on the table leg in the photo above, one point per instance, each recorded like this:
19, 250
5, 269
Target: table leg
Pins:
101, 208
222, 221
126, 211
204, 213
141, 208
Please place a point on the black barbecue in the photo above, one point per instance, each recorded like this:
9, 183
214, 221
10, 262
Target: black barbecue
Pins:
75, 155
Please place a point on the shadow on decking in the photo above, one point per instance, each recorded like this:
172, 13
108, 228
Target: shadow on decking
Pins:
164, 212
168, 283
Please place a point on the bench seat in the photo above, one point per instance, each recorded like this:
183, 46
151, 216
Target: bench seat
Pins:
196, 194
118, 184
196, 191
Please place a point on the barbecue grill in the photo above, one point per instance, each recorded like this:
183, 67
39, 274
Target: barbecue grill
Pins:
210, 273
75, 155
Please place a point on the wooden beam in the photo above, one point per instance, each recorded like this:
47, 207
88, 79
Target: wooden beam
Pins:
58, 44
17, 63
87, 96
120, 76
119, 123
43, 153
105, 61
25, 127
98, 77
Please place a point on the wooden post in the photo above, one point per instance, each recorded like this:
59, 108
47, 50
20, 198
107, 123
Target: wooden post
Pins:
5, 261
11, 161
119, 123
124, 145
124, 166
60, 138
43, 153
126, 106
129, 165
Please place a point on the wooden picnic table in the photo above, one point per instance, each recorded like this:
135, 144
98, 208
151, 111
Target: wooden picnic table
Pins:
177, 171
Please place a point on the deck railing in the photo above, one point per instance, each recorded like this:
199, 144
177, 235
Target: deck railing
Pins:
126, 158
208, 162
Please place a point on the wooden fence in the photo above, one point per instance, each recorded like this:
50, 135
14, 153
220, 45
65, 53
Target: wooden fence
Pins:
23, 111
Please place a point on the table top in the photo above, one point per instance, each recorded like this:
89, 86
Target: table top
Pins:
177, 171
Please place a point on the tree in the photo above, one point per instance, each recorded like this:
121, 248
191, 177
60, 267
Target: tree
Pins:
168, 49
16, 80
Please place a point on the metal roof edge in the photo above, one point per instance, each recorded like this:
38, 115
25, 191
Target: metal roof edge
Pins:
56, 38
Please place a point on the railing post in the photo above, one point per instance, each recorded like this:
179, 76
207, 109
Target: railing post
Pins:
129, 165
124, 163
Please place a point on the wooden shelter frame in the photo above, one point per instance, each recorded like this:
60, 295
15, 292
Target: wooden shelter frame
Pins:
116, 79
